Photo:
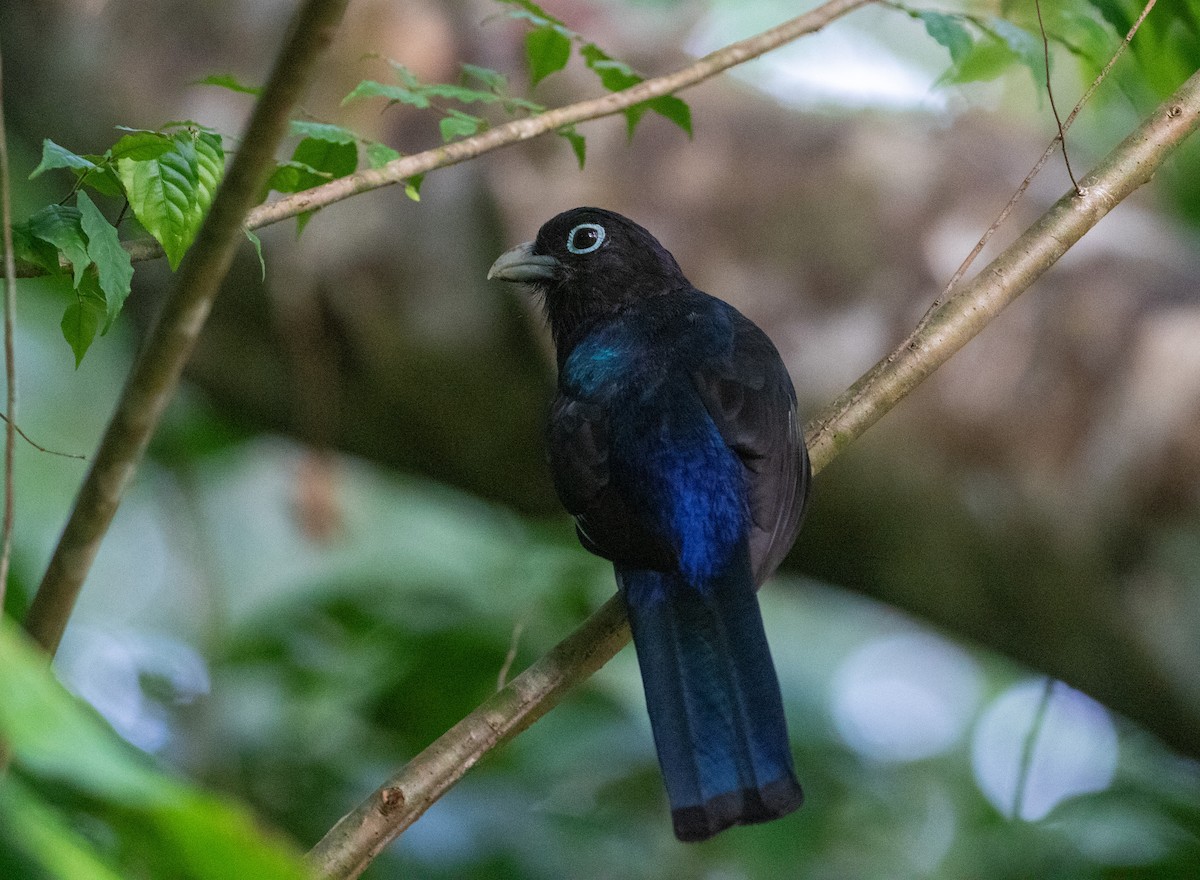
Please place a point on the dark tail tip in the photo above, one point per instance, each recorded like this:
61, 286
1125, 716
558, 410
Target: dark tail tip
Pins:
745, 807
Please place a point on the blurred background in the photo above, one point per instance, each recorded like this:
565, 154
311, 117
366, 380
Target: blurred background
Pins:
988, 634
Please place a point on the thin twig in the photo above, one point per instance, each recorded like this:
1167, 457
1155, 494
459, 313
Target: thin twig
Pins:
511, 656
966, 264
38, 446
156, 373
1029, 746
1062, 134
400, 170
10, 364
350, 846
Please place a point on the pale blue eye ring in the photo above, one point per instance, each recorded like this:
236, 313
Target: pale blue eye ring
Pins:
585, 238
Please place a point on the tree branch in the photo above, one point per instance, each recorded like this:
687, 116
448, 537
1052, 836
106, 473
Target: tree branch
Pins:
357, 838
10, 366
400, 170
156, 372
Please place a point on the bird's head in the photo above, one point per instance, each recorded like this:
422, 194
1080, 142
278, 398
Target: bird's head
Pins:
587, 263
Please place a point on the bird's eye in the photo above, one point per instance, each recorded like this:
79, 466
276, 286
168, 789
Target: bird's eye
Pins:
585, 238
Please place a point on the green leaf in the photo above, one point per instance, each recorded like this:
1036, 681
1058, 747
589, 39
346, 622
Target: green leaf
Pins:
490, 79
79, 324
54, 156
114, 269
61, 744
31, 249
614, 75
988, 58
577, 141
43, 834
171, 193
529, 10
1026, 47
257, 242
229, 81
459, 124
141, 145
379, 154
292, 176
412, 187
674, 109
406, 76
102, 178
327, 157
210, 159
369, 88
322, 131
547, 51
59, 225
462, 94
948, 31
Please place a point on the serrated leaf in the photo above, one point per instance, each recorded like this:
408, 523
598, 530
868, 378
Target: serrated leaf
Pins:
230, 82
59, 225
379, 154
79, 325
462, 94
141, 145
369, 88
491, 79
949, 31
547, 51
170, 194
257, 242
577, 141
54, 156
114, 269
458, 124
322, 131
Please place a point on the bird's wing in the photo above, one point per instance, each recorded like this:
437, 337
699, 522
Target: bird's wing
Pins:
750, 398
579, 461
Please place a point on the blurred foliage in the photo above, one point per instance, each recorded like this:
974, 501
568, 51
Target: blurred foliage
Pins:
286, 627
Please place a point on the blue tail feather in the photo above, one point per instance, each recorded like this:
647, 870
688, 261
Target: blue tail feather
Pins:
713, 700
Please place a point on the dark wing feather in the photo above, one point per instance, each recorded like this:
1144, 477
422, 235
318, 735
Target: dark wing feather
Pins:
750, 398
579, 463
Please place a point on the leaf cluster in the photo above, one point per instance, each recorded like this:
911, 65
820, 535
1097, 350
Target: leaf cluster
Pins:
167, 179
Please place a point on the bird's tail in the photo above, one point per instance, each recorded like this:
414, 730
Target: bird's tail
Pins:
713, 700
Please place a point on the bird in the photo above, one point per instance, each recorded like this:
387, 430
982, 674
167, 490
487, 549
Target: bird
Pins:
673, 442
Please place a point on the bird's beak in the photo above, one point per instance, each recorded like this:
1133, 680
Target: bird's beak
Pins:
522, 264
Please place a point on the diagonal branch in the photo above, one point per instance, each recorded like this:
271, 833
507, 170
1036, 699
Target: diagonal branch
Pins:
358, 837
400, 170
156, 372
